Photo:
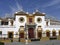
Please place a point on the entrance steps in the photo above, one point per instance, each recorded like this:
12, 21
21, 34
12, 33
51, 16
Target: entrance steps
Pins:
15, 40
24, 40
44, 39
58, 37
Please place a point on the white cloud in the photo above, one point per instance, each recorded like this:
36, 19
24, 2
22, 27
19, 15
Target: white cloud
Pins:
52, 3
7, 15
17, 7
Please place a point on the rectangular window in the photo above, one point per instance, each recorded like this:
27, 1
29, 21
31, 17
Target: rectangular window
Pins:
0, 32
30, 20
47, 23
4, 22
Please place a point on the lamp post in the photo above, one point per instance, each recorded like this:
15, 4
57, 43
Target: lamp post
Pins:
26, 36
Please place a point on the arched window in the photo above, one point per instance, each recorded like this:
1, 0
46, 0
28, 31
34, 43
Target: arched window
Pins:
53, 33
21, 19
47, 33
4, 22
47, 23
39, 20
30, 20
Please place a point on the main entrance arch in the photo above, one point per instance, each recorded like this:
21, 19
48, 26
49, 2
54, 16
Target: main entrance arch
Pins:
30, 33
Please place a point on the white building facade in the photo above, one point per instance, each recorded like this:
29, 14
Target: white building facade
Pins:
25, 25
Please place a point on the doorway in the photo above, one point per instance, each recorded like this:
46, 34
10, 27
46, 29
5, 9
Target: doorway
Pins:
39, 34
22, 35
59, 32
48, 34
54, 33
10, 34
31, 33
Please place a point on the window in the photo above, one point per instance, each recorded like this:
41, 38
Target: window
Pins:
0, 32
39, 19
30, 20
4, 22
47, 23
21, 19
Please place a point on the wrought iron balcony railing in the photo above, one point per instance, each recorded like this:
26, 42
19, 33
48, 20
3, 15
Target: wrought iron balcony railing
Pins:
30, 23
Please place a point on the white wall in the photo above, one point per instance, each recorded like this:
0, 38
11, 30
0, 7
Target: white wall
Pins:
42, 23
7, 29
18, 23
15, 27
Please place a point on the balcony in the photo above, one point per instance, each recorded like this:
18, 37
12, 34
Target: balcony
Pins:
31, 24
53, 26
28, 25
7, 26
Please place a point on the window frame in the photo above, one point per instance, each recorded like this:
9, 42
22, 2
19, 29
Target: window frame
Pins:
0, 32
21, 20
39, 21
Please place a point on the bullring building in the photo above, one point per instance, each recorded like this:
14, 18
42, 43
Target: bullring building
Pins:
30, 26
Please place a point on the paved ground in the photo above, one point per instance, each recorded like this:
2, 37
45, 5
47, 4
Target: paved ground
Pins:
52, 42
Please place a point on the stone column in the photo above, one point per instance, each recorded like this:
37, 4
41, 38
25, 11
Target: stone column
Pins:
9, 22
36, 34
51, 33
27, 33
26, 36
57, 33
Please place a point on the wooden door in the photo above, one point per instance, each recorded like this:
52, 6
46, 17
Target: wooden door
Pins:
10, 34
39, 34
22, 35
53, 33
31, 33
59, 33
48, 34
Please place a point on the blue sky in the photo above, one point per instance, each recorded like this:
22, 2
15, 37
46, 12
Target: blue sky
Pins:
50, 7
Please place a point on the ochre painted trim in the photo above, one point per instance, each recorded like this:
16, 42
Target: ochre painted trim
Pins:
47, 30
30, 17
38, 15
53, 30
22, 31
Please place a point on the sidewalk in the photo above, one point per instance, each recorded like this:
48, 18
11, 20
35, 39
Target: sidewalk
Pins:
51, 42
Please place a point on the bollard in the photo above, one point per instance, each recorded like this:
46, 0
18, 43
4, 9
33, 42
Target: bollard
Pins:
11, 40
26, 42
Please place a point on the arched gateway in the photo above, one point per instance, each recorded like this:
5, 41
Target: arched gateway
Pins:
30, 29
47, 33
30, 33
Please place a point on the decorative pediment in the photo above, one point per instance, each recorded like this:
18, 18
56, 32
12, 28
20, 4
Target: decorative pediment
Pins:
37, 13
20, 13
